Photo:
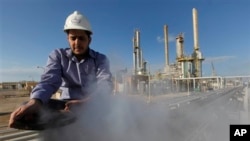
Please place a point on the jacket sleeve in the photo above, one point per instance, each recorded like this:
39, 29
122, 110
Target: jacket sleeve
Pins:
51, 78
104, 76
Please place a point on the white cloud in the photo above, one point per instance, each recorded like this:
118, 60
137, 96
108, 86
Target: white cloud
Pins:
19, 70
160, 39
218, 59
227, 65
19, 73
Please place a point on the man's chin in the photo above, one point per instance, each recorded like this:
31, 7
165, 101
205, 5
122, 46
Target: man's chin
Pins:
78, 52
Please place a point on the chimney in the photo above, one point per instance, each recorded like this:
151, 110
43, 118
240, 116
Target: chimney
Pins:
195, 29
166, 47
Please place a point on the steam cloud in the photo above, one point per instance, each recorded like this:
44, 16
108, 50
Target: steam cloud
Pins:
131, 118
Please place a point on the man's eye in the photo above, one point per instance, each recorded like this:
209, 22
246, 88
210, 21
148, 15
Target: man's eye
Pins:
79, 38
73, 38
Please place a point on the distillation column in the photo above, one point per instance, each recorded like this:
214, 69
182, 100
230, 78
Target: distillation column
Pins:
137, 54
197, 63
179, 46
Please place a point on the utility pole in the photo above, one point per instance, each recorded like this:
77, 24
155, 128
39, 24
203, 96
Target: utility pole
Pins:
39, 67
213, 70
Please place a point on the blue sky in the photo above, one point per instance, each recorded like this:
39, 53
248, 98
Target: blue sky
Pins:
31, 29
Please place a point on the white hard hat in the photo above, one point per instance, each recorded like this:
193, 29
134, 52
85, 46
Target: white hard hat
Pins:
77, 21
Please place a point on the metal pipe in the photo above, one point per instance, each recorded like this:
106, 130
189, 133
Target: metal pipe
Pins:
140, 59
134, 62
23, 135
137, 37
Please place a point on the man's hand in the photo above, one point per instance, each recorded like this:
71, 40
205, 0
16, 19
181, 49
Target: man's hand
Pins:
74, 103
24, 112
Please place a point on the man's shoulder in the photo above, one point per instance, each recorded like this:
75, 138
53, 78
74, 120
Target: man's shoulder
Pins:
61, 51
65, 50
96, 54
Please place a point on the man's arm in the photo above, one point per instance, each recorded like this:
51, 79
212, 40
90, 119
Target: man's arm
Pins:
50, 80
104, 76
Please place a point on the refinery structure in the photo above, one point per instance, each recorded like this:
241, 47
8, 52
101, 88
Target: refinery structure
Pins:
185, 74
185, 66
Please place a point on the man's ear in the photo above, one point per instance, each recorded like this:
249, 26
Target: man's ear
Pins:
67, 37
67, 34
90, 39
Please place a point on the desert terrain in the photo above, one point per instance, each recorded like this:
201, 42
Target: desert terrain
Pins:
9, 101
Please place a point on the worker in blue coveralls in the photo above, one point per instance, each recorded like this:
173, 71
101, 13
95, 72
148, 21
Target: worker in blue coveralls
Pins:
79, 72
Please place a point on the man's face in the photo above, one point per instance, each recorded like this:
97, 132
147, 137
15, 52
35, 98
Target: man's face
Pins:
78, 41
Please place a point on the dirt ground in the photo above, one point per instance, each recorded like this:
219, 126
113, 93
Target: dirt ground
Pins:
7, 105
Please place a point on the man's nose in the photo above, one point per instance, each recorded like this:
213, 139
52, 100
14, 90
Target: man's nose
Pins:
77, 41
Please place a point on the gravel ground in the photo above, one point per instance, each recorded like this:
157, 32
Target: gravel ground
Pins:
7, 105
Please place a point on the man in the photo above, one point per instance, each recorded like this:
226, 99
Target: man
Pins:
80, 72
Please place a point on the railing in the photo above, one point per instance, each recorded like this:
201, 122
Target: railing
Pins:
7, 134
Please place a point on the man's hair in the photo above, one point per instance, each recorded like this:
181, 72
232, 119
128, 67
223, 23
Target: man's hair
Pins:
87, 32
